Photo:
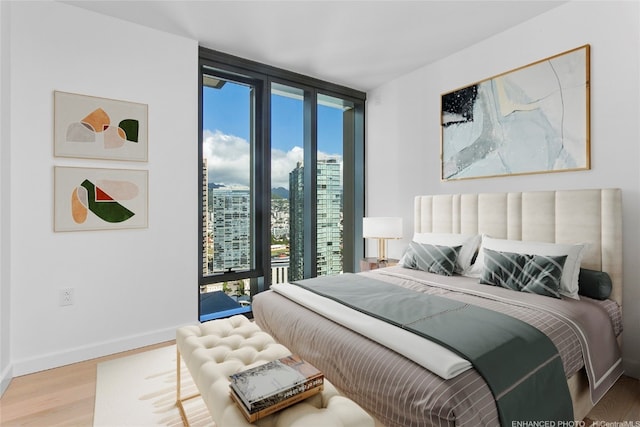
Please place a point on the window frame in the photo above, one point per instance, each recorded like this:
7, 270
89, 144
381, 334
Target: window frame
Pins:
261, 76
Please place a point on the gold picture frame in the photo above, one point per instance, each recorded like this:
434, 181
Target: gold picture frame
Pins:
533, 119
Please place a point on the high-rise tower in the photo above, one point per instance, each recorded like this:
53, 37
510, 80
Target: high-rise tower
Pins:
231, 228
329, 219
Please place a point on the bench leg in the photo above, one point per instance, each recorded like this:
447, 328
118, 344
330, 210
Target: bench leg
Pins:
179, 399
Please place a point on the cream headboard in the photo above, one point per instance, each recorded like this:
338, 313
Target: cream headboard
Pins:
570, 216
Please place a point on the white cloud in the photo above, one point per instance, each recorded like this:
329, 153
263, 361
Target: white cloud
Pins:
228, 160
227, 157
282, 163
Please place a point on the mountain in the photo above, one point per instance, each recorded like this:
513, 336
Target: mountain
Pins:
279, 192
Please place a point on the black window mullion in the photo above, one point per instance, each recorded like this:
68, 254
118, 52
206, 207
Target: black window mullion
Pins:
202, 189
264, 184
353, 187
310, 183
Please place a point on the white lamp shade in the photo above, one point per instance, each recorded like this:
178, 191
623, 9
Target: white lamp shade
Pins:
382, 227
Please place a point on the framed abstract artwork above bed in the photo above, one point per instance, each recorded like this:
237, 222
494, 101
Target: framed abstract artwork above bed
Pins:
533, 119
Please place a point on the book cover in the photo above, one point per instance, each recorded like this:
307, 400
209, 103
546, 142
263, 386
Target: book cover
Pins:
264, 385
254, 416
280, 396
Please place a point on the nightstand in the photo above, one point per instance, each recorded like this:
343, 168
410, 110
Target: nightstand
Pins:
372, 263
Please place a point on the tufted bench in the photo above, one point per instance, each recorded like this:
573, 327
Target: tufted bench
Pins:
214, 350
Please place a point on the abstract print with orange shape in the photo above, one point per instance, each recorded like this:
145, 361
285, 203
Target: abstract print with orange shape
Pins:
101, 200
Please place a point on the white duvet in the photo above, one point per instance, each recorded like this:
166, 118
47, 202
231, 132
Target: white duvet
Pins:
439, 360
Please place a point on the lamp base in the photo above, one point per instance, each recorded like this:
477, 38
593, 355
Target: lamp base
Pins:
382, 262
382, 250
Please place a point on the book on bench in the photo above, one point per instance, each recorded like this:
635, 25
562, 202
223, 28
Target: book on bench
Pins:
275, 383
261, 413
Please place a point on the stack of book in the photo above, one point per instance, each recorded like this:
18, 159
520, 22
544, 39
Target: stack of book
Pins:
265, 389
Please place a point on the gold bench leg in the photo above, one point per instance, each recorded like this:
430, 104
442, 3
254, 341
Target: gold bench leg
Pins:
179, 398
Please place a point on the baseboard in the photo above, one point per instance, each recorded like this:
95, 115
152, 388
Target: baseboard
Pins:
5, 379
80, 354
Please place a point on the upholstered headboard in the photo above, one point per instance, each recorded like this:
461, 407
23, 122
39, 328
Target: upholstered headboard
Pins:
570, 216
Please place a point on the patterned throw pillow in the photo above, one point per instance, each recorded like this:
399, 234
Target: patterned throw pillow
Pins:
469, 242
538, 274
570, 271
432, 258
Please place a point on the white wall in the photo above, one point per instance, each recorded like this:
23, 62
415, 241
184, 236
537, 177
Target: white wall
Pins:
132, 287
403, 125
5, 306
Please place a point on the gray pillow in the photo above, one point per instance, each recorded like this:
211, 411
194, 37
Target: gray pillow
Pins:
594, 284
431, 258
538, 274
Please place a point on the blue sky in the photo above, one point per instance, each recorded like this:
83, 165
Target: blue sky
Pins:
226, 132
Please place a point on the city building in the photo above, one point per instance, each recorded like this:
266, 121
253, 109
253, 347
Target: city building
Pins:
329, 217
296, 223
231, 223
328, 214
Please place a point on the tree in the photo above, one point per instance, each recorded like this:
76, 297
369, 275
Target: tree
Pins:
240, 287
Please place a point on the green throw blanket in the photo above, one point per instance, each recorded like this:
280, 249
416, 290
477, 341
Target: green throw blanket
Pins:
519, 363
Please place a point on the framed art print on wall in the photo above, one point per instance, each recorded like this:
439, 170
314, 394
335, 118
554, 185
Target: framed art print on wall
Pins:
99, 128
534, 119
99, 199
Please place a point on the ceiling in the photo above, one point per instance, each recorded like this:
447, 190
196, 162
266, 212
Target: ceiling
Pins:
360, 44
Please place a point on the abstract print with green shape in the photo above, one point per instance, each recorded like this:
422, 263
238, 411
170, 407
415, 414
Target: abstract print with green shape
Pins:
101, 204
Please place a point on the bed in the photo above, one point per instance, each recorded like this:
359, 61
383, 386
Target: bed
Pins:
399, 391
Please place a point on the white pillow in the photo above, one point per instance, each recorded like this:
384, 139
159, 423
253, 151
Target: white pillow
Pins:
570, 271
469, 243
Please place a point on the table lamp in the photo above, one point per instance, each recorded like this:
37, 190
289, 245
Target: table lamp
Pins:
383, 229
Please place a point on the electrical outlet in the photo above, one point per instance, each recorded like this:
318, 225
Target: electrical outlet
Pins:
66, 296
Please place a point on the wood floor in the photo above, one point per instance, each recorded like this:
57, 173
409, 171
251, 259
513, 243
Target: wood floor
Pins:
61, 397
65, 397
